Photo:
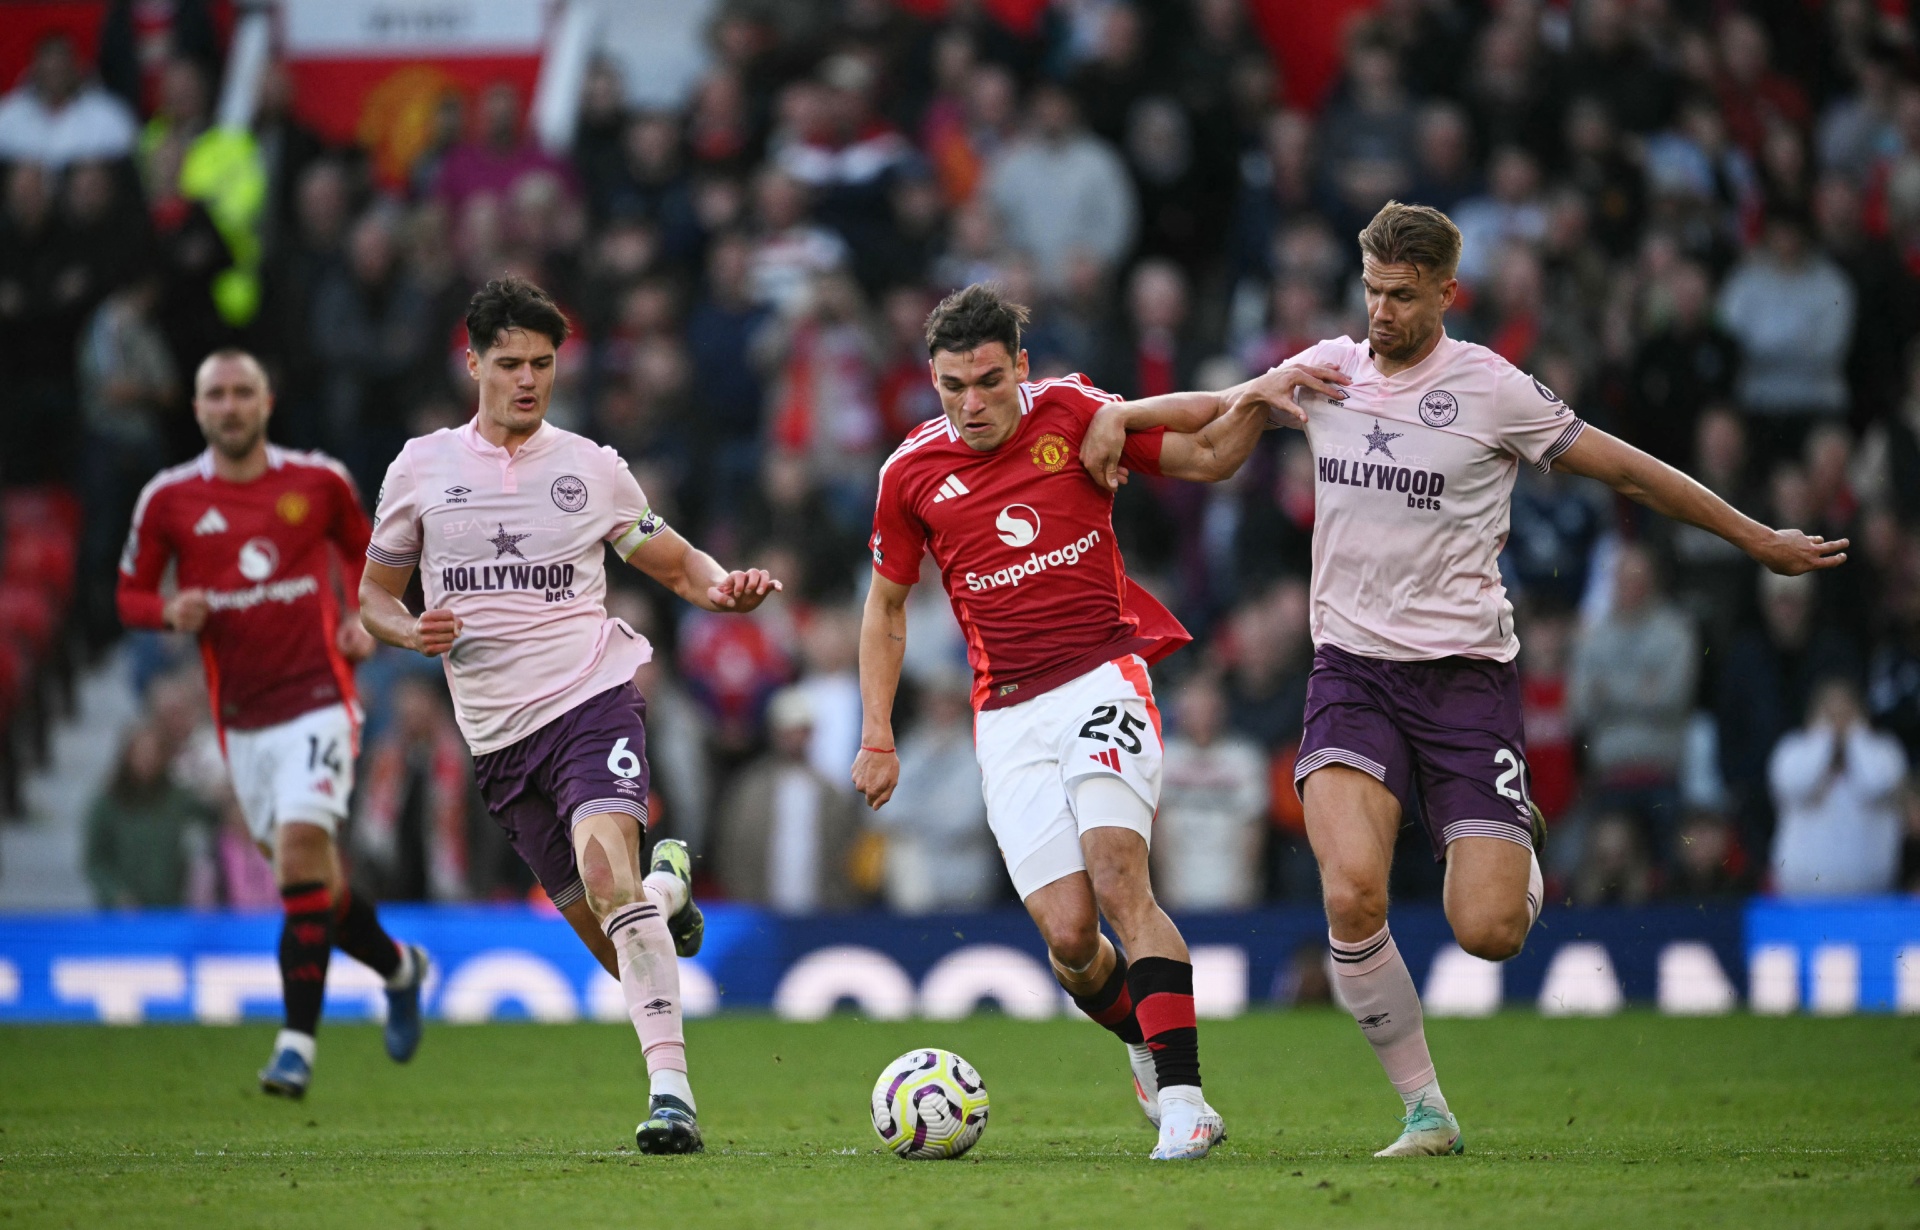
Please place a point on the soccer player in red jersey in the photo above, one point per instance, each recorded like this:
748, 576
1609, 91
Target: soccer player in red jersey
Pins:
1060, 639
262, 540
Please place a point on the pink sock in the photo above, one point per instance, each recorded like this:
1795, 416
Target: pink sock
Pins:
650, 979
1375, 984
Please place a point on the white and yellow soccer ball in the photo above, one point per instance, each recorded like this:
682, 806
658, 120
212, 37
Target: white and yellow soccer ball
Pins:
929, 1104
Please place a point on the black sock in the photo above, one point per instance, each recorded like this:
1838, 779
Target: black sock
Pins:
306, 940
358, 933
1162, 991
1112, 1004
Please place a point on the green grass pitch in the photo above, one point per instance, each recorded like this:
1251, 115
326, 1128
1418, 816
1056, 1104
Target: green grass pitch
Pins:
1632, 1122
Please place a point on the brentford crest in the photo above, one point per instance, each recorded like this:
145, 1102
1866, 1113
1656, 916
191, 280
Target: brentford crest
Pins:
1052, 452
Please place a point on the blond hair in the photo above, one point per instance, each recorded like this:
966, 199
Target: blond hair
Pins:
1413, 234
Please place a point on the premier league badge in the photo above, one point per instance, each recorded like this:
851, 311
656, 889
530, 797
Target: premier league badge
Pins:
1439, 408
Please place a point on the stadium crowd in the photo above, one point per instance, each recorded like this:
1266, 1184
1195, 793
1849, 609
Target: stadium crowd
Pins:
1698, 222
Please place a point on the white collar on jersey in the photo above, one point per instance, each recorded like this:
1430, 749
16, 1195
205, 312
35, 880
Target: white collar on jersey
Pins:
470, 435
276, 457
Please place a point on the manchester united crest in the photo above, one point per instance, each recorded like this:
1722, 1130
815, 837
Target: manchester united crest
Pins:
1052, 453
292, 507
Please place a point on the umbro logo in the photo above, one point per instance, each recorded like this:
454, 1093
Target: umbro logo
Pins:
210, 522
951, 489
1110, 758
1375, 1021
458, 495
658, 1007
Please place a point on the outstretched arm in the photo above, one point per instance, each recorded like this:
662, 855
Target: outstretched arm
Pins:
883, 643
384, 614
694, 575
1191, 414
1652, 482
1218, 449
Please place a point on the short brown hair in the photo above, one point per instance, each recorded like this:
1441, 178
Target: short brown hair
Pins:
512, 302
1413, 234
969, 318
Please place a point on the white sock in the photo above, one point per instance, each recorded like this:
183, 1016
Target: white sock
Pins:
300, 1044
667, 890
1428, 1093
1536, 891
403, 973
1376, 986
674, 1084
1189, 1094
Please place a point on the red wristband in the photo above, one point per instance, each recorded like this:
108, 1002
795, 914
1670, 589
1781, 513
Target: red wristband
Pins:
884, 751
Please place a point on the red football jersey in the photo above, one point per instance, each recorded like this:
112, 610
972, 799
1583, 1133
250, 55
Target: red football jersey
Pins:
1024, 540
264, 553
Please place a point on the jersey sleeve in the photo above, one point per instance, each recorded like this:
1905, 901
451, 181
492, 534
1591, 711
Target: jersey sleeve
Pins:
142, 561
1530, 420
634, 522
899, 536
349, 531
395, 539
1141, 453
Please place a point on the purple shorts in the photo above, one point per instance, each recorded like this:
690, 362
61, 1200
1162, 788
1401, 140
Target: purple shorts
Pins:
590, 759
1447, 734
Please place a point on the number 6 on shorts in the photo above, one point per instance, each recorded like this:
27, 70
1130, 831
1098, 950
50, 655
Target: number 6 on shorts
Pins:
621, 762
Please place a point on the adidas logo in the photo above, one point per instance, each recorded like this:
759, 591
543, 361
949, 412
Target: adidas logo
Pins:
951, 489
1110, 758
210, 522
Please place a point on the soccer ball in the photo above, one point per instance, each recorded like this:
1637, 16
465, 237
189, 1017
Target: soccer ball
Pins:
929, 1104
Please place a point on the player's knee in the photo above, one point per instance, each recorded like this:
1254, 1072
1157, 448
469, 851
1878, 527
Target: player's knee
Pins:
1492, 937
606, 889
1354, 901
1073, 942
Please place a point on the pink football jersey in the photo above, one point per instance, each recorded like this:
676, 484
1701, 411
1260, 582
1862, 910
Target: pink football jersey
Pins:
512, 545
1414, 493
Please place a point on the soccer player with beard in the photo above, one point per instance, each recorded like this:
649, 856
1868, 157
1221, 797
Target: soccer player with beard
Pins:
255, 533
1067, 732
1413, 680
507, 519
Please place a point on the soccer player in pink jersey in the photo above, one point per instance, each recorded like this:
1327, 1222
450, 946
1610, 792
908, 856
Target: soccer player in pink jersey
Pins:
507, 518
1067, 732
1413, 677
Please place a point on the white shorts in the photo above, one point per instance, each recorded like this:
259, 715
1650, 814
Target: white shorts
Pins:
299, 770
1032, 755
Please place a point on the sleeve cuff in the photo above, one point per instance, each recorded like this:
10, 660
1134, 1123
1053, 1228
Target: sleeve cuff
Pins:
1561, 444
392, 559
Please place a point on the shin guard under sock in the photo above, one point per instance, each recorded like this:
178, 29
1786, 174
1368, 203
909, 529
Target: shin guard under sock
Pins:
1377, 987
306, 940
1162, 991
650, 983
358, 933
1112, 1005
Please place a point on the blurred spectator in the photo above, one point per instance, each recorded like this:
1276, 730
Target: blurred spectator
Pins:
1836, 786
786, 836
1684, 366
1511, 210
1268, 655
1791, 310
1550, 539
1209, 832
1445, 173
1276, 184
1752, 95
56, 116
1768, 678
1633, 685
835, 142
498, 157
1552, 763
830, 681
1887, 297
369, 323
1119, 71
826, 407
1060, 189
246, 878
1708, 860
650, 184
789, 251
1714, 578
142, 830
1610, 64
42, 280
1368, 132
1605, 174
107, 232
940, 853
1181, 212
1613, 867
180, 114
411, 819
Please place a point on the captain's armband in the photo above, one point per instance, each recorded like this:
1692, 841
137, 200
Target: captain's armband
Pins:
638, 534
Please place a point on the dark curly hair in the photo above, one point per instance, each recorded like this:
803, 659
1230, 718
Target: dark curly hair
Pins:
512, 303
969, 318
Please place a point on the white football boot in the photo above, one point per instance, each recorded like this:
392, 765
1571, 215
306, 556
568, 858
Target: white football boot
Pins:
1426, 1133
1189, 1129
1146, 1086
